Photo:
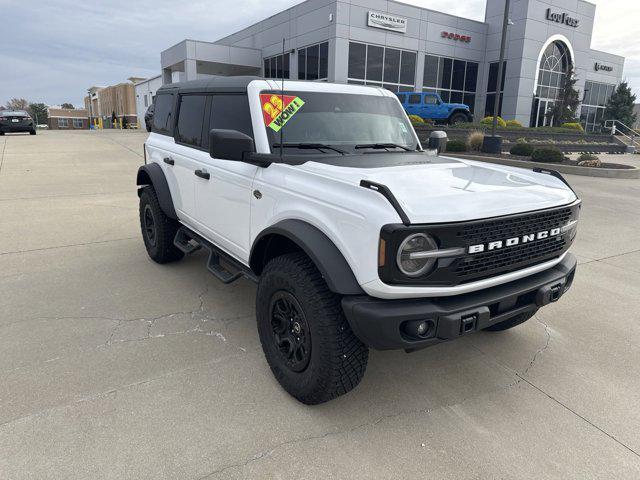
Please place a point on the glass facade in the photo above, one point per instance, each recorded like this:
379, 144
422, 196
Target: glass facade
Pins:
552, 75
313, 62
455, 80
596, 96
385, 67
277, 66
492, 85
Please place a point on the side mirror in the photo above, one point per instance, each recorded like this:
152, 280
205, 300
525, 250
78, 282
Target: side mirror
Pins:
229, 144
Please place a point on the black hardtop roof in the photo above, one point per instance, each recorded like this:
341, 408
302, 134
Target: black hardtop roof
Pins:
213, 84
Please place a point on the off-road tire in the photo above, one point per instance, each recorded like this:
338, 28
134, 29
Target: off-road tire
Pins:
458, 118
512, 322
160, 246
337, 359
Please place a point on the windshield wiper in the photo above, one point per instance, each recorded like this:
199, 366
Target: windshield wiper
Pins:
381, 146
310, 146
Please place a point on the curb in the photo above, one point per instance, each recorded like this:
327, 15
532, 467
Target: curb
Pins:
626, 173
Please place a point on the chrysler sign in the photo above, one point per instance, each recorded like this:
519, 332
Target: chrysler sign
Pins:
387, 22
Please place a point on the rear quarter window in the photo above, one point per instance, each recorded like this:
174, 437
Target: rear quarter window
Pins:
162, 114
190, 119
402, 97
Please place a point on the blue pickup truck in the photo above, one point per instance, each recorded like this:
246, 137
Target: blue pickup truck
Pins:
430, 106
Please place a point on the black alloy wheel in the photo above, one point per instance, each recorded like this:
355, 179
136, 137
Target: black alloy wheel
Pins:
149, 225
290, 330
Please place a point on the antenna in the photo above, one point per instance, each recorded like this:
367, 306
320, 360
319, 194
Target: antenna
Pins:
282, 100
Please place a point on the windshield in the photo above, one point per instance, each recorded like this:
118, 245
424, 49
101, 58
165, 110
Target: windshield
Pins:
349, 123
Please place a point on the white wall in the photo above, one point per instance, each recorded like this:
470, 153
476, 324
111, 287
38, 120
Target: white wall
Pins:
145, 91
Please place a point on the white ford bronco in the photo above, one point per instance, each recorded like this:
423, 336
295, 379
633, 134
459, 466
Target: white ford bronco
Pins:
356, 236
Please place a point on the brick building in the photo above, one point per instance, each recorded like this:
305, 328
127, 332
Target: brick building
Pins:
68, 119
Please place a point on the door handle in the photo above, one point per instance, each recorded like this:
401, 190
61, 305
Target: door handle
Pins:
202, 174
169, 161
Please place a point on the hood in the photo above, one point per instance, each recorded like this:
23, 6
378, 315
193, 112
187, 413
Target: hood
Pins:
458, 105
449, 190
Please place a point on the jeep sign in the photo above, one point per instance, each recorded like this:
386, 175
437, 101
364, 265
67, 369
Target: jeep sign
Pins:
387, 22
562, 18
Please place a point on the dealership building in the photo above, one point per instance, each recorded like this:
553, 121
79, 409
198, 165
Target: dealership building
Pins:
407, 48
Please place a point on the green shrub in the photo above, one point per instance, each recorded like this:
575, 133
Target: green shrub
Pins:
573, 126
475, 139
416, 119
513, 123
522, 150
521, 140
587, 156
489, 121
456, 146
547, 155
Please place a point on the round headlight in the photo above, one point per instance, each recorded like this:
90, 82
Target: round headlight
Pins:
409, 259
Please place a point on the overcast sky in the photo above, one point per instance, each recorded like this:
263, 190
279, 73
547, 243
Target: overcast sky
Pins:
52, 51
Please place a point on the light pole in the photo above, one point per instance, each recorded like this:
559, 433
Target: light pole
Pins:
493, 144
90, 110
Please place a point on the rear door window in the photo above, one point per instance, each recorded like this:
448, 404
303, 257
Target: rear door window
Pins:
415, 98
162, 121
229, 112
190, 118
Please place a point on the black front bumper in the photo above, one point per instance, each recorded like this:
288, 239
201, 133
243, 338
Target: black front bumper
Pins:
382, 324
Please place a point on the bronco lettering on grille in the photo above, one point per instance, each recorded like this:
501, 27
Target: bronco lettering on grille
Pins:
512, 242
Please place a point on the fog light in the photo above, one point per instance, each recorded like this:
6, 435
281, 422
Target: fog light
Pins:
421, 329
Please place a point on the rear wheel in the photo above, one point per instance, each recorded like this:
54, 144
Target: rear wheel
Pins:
32, 132
158, 230
512, 322
305, 337
458, 118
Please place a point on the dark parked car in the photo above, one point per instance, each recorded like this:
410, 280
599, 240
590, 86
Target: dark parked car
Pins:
148, 117
16, 121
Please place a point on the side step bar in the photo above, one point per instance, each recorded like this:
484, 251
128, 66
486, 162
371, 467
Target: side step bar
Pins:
223, 266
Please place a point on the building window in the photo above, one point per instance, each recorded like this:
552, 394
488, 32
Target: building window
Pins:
146, 101
313, 62
389, 68
491, 89
455, 80
63, 123
596, 96
277, 67
77, 123
552, 75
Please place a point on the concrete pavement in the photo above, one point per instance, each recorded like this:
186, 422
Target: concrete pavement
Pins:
114, 367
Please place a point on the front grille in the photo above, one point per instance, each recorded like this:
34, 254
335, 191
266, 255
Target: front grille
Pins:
490, 263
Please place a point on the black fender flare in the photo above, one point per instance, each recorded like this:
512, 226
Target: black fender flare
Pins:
152, 174
318, 247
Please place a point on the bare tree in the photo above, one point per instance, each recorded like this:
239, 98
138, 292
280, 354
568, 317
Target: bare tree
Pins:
17, 104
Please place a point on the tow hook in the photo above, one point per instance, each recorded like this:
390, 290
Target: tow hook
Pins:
556, 292
550, 293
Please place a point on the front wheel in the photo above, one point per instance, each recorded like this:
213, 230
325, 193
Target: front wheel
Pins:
32, 132
305, 337
458, 118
